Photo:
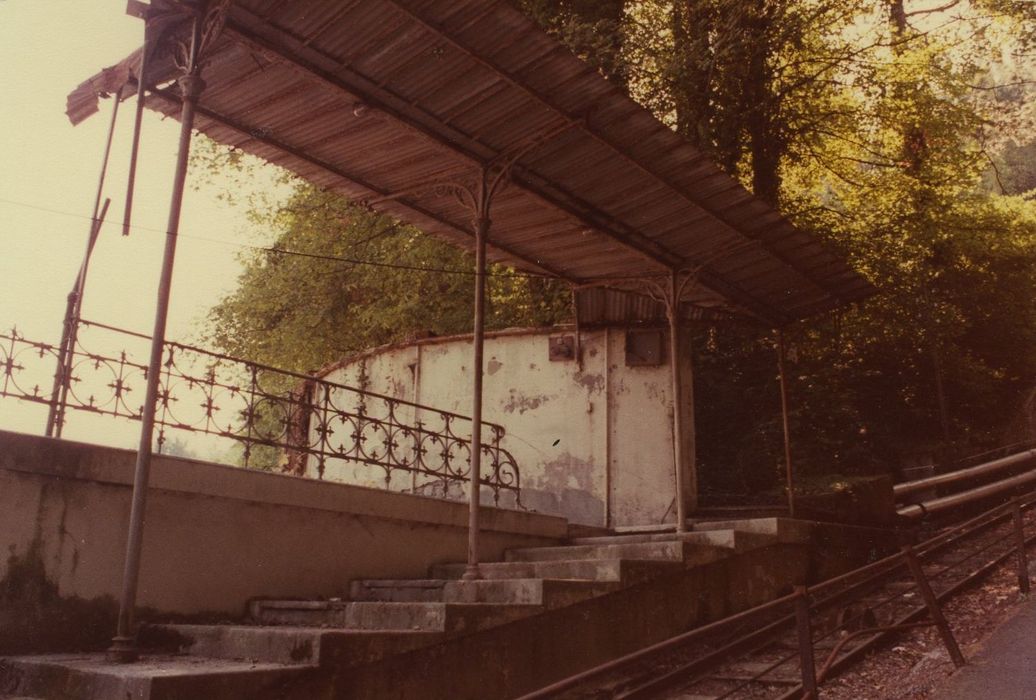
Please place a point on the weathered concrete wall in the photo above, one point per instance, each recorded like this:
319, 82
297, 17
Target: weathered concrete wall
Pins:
593, 440
215, 537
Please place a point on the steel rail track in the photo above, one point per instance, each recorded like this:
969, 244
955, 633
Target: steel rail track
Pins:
757, 653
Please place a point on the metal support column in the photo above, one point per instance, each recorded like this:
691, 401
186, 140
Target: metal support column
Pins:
673, 314
124, 646
482, 224
789, 472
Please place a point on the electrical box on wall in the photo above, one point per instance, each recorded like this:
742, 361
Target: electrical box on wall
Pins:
644, 347
561, 348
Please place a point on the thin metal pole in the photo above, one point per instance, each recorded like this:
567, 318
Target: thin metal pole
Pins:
74, 302
805, 635
472, 572
124, 647
70, 334
1023, 562
934, 611
60, 374
789, 469
672, 311
138, 119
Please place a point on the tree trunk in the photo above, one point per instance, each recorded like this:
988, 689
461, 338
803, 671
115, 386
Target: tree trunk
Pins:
764, 139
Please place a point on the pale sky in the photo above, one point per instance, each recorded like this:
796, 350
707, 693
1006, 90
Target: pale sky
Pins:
48, 182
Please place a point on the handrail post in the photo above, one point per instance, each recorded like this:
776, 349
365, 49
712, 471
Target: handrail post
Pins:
934, 611
1023, 563
805, 635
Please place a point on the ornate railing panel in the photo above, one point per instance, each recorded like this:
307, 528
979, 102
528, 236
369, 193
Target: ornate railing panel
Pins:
295, 422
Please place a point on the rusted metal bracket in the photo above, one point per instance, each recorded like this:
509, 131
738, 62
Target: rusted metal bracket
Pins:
932, 603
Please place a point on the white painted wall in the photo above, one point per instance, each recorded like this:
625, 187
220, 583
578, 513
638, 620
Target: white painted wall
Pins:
593, 443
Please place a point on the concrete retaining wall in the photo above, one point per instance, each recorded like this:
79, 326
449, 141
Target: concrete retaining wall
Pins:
593, 439
215, 537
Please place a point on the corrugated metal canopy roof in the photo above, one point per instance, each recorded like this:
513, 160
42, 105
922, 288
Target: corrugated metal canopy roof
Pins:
379, 99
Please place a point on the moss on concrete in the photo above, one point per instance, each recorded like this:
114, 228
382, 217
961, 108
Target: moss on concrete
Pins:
35, 618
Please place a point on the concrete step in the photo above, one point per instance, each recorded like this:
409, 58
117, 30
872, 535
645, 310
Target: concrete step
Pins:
624, 571
550, 593
785, 529
737, 540
451, 618
672, 550
154, 677
283, 644
690, 552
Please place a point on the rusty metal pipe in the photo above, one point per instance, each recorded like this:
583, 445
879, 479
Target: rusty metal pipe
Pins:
75, 297
138, 120
70, 332
992, 467
124, 645
946, 503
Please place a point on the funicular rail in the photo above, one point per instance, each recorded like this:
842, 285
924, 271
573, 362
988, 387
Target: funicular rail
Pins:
759, 653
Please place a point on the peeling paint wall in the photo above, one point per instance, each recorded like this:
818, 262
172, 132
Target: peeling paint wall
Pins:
593, 443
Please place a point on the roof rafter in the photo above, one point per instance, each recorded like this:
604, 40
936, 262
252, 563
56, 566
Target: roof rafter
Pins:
716, 212
278, 46
253, 134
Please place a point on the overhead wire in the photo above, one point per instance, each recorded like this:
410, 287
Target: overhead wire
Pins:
296, 253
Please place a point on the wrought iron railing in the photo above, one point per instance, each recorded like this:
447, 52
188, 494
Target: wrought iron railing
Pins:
301, 424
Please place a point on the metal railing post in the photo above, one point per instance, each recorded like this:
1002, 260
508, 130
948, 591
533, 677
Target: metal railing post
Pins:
1023, 561
805, 635
932, 603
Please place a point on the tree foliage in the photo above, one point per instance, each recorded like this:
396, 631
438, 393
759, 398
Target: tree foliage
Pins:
339, 279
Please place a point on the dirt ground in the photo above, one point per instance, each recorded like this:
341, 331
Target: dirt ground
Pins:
913, 665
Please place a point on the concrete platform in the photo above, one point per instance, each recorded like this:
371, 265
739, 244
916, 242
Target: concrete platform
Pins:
1005, 669
77, 676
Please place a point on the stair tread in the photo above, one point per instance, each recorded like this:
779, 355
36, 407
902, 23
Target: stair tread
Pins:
167, 664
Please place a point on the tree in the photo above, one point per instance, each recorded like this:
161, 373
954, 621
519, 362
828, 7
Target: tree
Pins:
885, 127
339, 279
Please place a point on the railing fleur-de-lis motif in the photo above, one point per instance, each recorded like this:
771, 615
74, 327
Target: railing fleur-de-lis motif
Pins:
298, 423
